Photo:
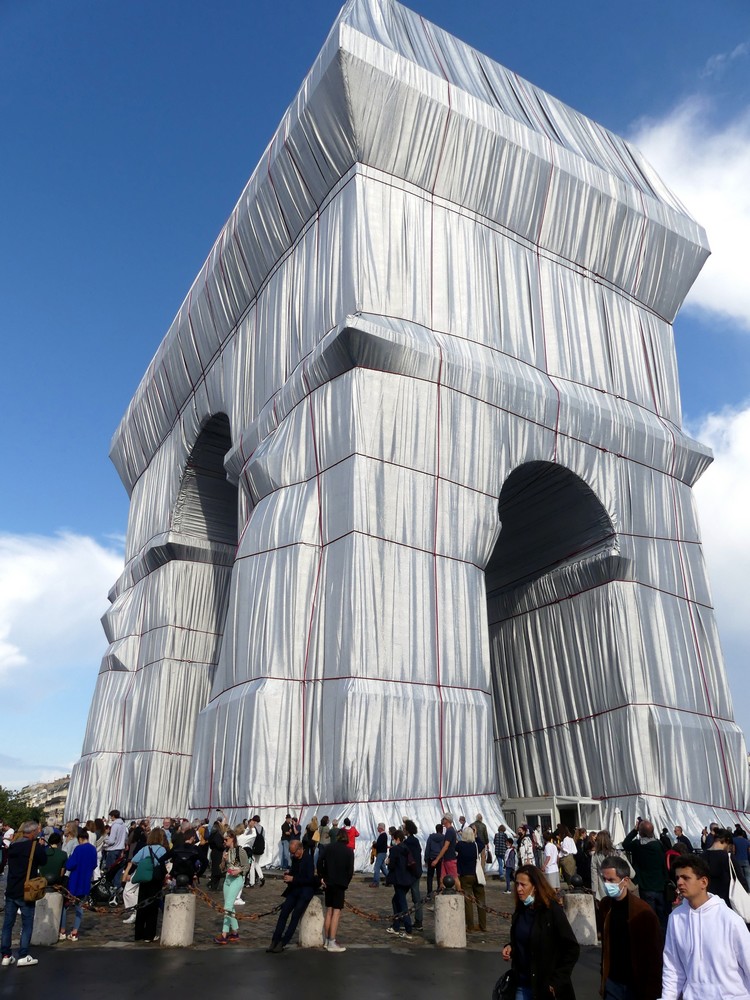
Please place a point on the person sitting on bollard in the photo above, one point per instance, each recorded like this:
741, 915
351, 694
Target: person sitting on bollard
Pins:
234, 864
53, 868
336, 869
81, 866
301, 883
543, 949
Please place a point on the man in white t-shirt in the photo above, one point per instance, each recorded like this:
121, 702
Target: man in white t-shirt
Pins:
551, 866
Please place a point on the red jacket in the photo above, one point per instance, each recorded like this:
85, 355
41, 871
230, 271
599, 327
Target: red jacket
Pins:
352, 833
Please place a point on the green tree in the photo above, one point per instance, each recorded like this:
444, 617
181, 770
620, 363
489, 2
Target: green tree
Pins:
14, 809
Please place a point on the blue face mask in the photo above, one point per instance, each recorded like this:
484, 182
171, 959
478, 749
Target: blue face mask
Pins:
529, 901
612, 889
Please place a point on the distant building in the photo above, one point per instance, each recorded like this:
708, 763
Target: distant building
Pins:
49, 796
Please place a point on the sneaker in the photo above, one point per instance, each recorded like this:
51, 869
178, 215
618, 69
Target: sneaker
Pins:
234, 937
221, 939
27, 960
335, 946
62, 936
418, 927
8, 960
239, 902
73, 936
130, 919
406, 936
374, 885
275, 948
262, 883
392, 930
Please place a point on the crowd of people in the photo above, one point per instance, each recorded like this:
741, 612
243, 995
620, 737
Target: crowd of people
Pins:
664, 905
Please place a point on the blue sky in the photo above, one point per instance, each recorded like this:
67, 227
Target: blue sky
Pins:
127, 132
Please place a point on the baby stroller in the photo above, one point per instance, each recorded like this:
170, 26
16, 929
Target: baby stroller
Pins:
103, 890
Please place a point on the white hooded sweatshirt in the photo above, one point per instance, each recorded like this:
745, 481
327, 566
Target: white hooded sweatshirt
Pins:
706, 954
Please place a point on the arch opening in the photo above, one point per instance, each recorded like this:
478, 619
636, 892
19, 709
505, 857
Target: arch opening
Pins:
207, 502
549, 517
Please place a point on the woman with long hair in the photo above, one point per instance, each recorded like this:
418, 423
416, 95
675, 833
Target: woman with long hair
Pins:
147, 915
234, 864
543, 949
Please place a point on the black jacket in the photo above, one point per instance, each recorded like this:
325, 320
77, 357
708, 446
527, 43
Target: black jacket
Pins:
18, 863
337, 865
186, 860
554, 952
398, 866
415, 849
304, 880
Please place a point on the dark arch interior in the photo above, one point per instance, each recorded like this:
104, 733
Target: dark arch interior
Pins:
549, 516
207, 503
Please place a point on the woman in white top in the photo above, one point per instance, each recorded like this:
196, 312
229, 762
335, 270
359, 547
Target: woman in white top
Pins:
551, 867
568, 851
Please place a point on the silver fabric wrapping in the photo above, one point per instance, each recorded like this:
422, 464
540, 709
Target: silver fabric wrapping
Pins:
441, 296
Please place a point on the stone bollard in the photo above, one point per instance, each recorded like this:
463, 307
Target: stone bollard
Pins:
450, 923
178, 923
47, 915
581, 913
311, 925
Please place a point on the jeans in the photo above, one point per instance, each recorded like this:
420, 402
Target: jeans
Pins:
658, 904
433, 873
618, 991
400, 906
232, 887
378, 870
416, 898
78, 917
509, 873
524, 993
12, 906
291, 909
286, 857
110, 860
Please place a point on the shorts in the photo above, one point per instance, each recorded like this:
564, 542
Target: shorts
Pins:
450, 868
335, 897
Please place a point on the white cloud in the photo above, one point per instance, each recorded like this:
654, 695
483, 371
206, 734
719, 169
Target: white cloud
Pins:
722, 498
707, 165
53, 591
718, 63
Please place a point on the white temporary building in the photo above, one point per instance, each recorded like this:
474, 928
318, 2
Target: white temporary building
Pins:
411, 523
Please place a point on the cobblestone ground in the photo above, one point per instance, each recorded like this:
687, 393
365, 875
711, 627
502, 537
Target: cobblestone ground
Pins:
107, 929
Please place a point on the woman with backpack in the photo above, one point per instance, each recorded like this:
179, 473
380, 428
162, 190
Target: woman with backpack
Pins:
149, 872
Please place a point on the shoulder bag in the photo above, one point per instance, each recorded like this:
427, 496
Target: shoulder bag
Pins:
481, 879
33, 888
505, 987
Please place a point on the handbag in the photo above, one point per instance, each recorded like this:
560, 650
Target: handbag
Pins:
505, 987
144, 870
33, 888
738, 898
480, 869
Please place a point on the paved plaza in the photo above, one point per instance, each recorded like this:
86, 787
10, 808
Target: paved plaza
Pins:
106, 960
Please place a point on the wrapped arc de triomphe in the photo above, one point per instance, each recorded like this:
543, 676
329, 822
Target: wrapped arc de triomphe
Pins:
411, 521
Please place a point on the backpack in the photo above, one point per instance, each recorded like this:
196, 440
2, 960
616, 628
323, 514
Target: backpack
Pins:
259, 844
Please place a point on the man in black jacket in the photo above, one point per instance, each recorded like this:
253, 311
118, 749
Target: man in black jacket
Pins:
19, 853
337, 868
301, 882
